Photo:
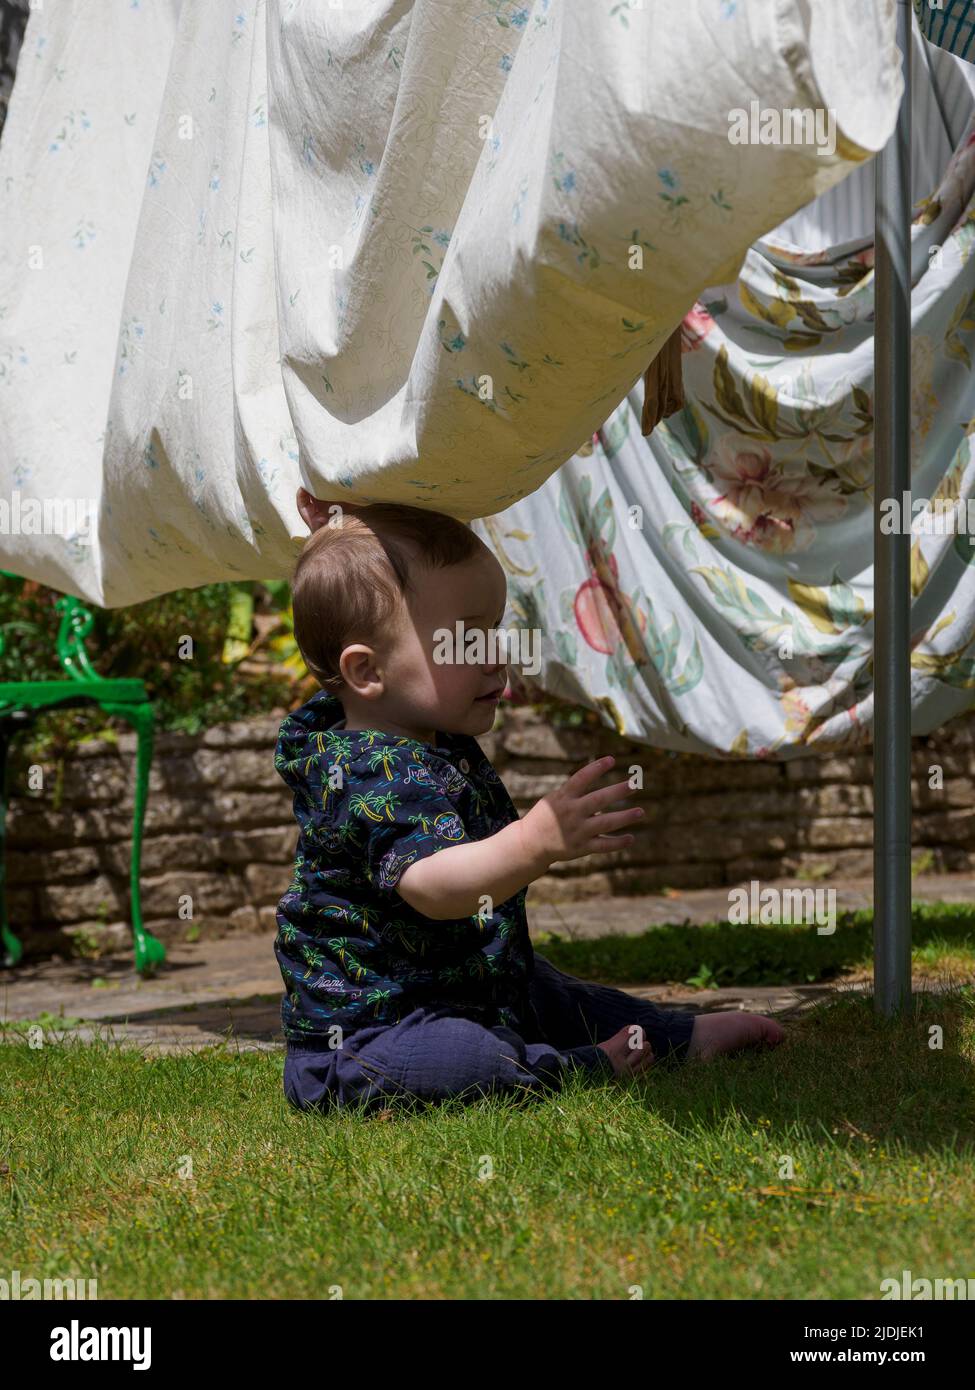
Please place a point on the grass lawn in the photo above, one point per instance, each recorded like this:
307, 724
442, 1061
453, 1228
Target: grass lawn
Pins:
718, 954
676, 1185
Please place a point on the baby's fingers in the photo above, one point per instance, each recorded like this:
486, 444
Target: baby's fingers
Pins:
603, 843
607, 821
581, 780
605, 796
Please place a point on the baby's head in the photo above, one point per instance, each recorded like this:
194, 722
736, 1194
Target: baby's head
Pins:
373, 591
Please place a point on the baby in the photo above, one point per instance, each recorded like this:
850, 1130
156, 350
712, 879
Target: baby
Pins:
403, 939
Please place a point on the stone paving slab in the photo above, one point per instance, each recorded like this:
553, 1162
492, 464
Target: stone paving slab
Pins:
630, 916
227, 991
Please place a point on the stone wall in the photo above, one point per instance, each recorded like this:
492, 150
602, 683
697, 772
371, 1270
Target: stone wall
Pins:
219, 826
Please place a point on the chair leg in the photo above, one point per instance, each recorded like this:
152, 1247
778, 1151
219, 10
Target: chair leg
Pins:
12, 948
148, 950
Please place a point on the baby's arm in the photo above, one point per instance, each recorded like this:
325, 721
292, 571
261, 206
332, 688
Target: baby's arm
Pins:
568, 823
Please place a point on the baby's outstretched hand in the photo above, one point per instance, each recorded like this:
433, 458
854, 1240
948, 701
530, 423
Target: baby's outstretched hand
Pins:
573, 820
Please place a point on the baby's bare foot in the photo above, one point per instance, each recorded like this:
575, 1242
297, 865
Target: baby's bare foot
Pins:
727, 1032
628, 1050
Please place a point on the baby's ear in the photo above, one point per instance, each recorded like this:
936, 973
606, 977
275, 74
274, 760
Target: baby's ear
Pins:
313, 512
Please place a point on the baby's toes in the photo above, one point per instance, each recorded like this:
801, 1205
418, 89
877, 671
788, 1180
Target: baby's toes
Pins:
640, 1058
767, 1030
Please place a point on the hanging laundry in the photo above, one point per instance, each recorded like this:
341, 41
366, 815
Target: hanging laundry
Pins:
710, 588
663, 383
406, 252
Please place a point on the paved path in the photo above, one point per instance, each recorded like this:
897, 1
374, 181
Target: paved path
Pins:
629, 916
227, 991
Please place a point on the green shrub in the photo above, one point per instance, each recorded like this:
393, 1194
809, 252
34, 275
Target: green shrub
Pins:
190, 692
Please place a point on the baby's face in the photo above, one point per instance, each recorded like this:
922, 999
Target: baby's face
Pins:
427, 682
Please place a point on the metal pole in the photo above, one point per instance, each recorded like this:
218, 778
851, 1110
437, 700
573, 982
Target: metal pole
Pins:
892, 591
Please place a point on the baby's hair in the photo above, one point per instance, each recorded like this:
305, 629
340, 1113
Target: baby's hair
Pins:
352, 573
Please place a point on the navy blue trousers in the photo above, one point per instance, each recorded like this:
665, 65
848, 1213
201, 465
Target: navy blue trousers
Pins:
433, 1055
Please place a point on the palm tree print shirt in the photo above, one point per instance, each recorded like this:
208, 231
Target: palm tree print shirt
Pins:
352, 952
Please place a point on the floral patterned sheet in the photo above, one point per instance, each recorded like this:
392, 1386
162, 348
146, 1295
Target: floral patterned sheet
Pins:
709, 588
395, 251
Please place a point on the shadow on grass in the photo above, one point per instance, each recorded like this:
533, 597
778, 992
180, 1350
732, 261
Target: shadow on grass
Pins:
845, 1074
844, 1077
746, 954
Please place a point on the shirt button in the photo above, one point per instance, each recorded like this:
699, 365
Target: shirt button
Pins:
464, 765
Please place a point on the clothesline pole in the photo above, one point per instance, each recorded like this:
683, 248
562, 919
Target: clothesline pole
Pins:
892, 593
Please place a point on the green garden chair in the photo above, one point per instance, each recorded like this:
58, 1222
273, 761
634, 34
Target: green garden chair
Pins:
22, 701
